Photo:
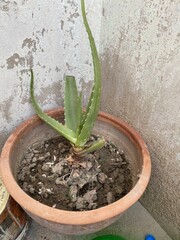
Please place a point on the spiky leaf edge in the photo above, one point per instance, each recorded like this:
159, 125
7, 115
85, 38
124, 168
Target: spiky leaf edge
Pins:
94, 101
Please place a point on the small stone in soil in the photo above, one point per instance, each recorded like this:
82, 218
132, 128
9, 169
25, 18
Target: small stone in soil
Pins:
82, 182
102, 177
34, 159
21, 176
76, 174
118, 189
33, 179
45, 167
73, 190
121, 178
25, 186
110, 198
80, 203
115, 173
59, 181
90, 196
52, 177
31, 190
58, 168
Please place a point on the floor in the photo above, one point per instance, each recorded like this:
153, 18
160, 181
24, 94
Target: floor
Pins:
133, 225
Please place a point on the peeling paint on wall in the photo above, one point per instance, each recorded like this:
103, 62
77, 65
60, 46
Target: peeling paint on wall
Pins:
15, 60
47, 36
30, 43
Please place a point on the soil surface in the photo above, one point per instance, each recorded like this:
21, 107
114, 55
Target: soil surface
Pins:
50, 175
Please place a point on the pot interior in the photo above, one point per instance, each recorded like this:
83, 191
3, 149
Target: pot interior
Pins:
36, 131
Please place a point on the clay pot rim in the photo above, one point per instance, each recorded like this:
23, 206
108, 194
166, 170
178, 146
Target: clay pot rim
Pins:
73, 217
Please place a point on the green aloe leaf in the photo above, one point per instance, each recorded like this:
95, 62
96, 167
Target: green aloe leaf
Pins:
72, 104
94, 101
80, 113
60, 128
95, 146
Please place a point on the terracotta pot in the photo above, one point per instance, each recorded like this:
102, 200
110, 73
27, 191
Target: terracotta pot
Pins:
70, 222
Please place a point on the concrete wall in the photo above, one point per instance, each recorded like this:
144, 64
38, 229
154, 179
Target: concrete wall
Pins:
141, 66
48, 36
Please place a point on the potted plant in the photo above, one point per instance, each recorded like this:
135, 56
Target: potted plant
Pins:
83, 170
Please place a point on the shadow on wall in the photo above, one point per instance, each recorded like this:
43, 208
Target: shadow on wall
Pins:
125, 97
118, 86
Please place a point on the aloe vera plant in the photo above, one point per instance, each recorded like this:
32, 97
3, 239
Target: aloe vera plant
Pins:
78, 123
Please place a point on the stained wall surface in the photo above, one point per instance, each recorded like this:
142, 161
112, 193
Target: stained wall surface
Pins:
49, 37
140, 43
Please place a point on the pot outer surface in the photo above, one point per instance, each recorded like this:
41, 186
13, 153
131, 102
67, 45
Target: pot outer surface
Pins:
67, 222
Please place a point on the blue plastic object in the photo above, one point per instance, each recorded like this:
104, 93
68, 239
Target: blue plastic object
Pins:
112, 237
109, 237
150, 237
